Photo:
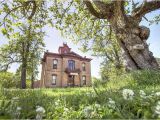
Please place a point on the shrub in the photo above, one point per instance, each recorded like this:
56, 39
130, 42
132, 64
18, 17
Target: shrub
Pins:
8, 80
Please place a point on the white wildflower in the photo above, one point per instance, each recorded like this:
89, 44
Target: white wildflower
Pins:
128, 94
87, 111
19, 108
97, 105
18, 112
111, 103
40, 111
157, 108
15, 98
57, 102
157, 93
88, 94
142, 94
66, 109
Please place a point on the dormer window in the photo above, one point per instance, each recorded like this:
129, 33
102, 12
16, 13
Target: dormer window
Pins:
55, 62
83, 66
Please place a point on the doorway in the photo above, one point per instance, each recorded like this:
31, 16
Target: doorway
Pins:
70, 80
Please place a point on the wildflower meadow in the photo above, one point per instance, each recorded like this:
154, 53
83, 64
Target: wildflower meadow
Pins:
127, 99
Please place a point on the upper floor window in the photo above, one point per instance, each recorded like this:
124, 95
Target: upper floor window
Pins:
54, 79
84, 80
71, 64
83, 66
55, 62
65, 51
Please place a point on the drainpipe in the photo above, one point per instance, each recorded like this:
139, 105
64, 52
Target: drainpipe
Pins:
79, 79
62, 72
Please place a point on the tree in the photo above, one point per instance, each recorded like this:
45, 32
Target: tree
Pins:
22, 24
25, 49
125, 25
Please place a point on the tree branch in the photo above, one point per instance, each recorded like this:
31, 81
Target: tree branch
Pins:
105, 11
33, 10
145, 8
119, 14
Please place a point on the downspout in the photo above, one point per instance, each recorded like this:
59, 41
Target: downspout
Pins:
44, 75
62, 71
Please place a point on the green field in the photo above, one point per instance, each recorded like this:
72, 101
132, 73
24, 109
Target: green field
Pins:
101, 101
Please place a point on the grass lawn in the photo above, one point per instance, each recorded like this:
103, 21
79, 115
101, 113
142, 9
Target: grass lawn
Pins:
130, 96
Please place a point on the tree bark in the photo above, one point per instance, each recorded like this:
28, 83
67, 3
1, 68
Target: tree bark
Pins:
23, 74
132, 39
32, 81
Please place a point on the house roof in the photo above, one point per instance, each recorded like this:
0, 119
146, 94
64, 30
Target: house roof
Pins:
64, 51
63, 55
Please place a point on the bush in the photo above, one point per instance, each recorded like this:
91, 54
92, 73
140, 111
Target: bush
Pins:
8, 80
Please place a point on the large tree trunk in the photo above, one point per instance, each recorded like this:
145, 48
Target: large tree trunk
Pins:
23, 74
132, 40
136, 52
32, 81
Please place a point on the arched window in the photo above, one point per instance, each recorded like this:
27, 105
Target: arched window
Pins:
71, 64
83, 66
55, 62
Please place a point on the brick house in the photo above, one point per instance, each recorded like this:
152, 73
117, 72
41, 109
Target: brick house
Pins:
65, 68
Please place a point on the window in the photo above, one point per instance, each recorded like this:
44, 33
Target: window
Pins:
84, 80
55, 62
71, 64
83, 67
54, 79
65, 51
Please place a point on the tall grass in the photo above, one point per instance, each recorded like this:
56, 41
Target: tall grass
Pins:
55, 101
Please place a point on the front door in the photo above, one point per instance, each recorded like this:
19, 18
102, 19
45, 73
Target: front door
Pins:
70, 80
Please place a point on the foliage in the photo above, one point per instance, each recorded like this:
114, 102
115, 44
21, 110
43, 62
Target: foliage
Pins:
8, 80
22, 24
100, 102
109, 70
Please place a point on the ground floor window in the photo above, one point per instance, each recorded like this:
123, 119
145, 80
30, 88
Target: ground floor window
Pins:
54, 79
84, 80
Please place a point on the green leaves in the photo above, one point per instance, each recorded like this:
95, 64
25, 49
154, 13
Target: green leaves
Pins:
4, 31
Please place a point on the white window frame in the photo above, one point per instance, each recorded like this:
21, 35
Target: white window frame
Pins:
54, 79
55, 64
84, 80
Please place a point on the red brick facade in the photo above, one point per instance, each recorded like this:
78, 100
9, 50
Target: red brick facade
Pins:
64, 69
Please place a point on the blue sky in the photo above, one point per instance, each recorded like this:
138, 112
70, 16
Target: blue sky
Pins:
53, 40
